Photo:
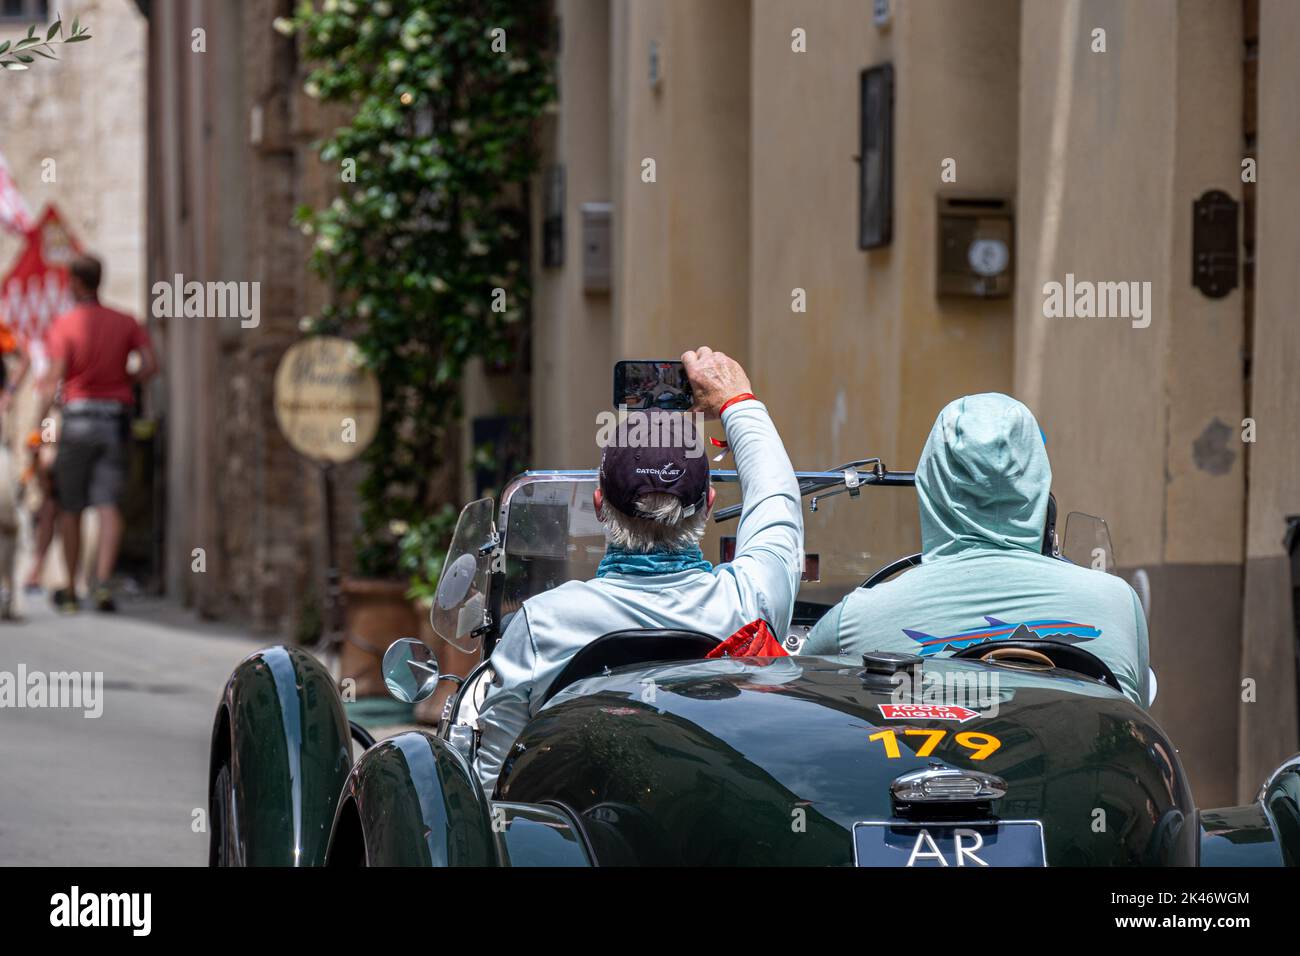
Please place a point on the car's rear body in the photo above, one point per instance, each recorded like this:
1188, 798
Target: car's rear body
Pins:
774, 761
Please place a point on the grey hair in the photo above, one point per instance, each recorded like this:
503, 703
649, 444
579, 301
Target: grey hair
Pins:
667, 530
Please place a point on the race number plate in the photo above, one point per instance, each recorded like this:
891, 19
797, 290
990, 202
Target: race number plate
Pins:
1005, 843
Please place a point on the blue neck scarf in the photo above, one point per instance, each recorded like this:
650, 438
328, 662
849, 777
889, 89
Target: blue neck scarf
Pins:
617, 561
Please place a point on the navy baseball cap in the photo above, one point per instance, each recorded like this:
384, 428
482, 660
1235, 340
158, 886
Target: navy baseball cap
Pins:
631, 469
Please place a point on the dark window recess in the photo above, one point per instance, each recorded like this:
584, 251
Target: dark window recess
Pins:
28, 11
553, 219
500, 451
876, 162
553, 242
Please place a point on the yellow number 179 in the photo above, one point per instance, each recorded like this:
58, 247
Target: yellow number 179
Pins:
980, 745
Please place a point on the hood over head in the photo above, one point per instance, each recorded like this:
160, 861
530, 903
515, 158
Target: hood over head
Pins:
983, 478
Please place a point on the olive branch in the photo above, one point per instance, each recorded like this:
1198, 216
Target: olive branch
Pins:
22, 52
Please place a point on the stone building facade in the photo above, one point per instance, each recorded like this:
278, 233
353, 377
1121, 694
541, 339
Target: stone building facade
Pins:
1094, 125
230, 160
74, 130
753, 112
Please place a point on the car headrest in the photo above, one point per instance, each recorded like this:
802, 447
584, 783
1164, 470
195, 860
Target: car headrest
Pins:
637, 645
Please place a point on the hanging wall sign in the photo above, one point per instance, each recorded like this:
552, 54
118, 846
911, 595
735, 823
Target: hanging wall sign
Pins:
326, 400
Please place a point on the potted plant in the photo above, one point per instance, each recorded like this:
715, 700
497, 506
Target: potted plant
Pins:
425, 248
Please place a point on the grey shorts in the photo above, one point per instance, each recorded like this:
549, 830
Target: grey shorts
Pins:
90, 465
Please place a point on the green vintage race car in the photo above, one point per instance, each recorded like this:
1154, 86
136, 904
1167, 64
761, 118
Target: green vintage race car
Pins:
1019, 754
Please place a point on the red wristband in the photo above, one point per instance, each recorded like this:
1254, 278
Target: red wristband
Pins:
743, 396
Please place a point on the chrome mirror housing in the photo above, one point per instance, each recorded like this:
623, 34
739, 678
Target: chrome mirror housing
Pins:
410, 670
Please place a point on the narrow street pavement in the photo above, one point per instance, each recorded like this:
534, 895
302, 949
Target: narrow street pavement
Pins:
120, 789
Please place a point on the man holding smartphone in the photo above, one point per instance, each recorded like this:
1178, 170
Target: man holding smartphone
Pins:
654, 503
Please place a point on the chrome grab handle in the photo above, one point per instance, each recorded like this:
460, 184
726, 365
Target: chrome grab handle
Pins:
938, 784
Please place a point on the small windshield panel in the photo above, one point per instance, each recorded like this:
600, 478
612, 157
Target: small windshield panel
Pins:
552, 536
460, 606
1087, 542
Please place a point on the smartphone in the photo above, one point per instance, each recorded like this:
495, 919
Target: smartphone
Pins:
643, 384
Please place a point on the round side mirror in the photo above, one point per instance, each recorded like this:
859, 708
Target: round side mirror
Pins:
410, 670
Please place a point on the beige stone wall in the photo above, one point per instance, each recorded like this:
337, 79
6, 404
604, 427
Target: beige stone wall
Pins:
681, 263
1275, 457
572, 331
755, 196
865, 370
1268, 723
232, 160
1143, 423
1102, 154
1205, 501
1095, 159
832, 372
86, 112
951, 345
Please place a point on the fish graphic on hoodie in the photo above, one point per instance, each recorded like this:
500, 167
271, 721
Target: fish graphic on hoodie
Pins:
982, 485
1053, 629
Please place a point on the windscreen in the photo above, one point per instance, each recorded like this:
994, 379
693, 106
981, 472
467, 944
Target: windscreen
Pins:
846, 539
460, 604
552, 536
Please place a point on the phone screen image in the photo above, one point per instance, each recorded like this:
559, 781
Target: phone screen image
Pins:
646, 384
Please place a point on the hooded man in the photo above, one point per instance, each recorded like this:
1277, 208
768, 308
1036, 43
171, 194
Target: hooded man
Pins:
654, 503
982, 484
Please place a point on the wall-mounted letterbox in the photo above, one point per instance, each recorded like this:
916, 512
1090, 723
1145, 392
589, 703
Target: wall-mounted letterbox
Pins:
976, 254
597, 246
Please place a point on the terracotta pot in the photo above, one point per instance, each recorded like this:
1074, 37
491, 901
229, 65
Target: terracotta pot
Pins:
376, 613
450, 661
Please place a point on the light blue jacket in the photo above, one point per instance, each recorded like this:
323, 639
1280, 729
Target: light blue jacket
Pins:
982, 484
761, 582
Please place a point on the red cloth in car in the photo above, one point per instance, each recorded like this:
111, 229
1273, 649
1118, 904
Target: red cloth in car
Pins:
755, 639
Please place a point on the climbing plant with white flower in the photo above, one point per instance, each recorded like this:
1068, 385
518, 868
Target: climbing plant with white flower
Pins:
444, 98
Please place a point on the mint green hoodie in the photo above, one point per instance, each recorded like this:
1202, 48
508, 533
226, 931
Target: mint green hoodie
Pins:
982, 485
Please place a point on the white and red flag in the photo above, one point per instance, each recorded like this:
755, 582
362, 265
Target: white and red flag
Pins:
35, 289
15, 217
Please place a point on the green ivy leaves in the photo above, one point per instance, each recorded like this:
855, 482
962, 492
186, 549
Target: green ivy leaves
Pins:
443, 99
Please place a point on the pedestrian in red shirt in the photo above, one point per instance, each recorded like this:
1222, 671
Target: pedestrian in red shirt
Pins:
88, 349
